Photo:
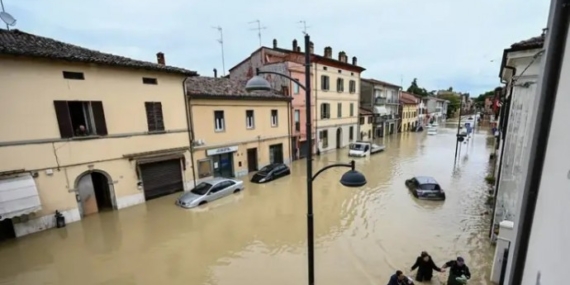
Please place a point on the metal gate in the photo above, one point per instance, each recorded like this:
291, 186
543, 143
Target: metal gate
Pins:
161, 178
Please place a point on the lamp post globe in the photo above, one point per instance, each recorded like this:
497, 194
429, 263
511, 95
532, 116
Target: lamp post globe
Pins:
353, 178
257, 83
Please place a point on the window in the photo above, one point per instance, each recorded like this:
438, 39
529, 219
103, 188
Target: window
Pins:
219, 123
340, 85
80, 118
154, 117
370, 120
325, 138
325, 111
249, 119
325, 84
73, 75
361, 120
351, 109
285, 90
148, 80
274, 118
297, 118
296, 87
339, 110
204, 168
352, 86
351, 134
325, 68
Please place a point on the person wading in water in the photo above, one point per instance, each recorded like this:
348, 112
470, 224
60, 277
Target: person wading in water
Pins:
457, 269
426, 266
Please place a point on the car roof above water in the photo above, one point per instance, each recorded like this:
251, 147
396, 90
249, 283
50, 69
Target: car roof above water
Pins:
216, 180
426, 180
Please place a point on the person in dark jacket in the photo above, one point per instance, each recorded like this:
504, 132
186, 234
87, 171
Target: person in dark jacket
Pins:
399, 279
457, 268
426, 266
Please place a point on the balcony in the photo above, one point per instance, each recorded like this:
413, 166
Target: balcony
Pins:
383, 118
386, 101
393, 101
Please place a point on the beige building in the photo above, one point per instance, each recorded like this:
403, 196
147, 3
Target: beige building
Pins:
236, 132
365, 125
337, 88
83, 131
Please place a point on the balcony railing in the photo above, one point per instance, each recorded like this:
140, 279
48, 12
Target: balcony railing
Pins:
381, 119
384, 101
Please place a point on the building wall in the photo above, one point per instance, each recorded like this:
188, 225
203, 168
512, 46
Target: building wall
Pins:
31, 140
236, 133
409, 116
365, 130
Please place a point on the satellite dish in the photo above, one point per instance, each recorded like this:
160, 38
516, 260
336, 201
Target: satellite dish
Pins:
7, 18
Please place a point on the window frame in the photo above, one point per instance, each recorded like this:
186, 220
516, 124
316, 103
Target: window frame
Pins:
211, 168
352, 86
351, 110
154, 117
340, 85
325, 83
250, 120
97, 125
339, 110
274, 118
219, 126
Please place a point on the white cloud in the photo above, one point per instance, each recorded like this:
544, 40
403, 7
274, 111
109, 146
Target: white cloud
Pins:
441, 42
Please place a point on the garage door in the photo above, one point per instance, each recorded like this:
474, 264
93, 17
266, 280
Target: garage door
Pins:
161, 178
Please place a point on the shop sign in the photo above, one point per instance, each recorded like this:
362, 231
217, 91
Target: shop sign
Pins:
221, 150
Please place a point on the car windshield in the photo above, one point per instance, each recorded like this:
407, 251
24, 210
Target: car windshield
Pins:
202, 188
429, 187
267, 168
356, 146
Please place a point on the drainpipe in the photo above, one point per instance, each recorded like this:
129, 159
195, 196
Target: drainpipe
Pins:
555, 46
316, 140
190, 125
289, 110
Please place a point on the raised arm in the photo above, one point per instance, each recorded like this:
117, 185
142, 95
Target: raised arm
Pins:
467, 272
448, 264
433, 265
416, 264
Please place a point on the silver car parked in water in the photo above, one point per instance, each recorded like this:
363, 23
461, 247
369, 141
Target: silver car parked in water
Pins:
208, 191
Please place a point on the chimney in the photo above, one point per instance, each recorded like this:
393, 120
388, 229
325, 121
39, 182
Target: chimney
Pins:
274, 43
295, 45
342, 56
160, 58
328, 52
354, 60
215, 73
311, 47
298, 49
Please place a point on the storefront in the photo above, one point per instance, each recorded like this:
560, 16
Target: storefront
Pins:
276, 153
222, 160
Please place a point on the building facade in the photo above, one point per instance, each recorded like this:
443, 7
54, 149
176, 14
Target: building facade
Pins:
365, 125
383, 98
65, 143
236, 132
409, 112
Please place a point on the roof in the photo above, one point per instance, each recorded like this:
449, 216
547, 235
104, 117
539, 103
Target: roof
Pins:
225, 88
408, 101
425, 180
365, 112
18, 43
534, 42
375, 81
408, 98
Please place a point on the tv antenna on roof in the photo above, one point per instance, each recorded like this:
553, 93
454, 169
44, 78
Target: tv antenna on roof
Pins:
304, 26
258, 29
221, 41
6, 17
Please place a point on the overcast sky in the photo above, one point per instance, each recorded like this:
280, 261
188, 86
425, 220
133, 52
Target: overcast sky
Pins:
443, 43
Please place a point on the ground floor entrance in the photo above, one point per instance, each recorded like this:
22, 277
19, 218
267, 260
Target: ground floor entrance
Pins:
224, 165
304, 149
276, 153
252, 159
6, 230
379, 131
94, 193
338, 137
161, 178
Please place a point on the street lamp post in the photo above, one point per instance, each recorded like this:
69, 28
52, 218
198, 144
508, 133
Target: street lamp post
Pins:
460, 137
351, 178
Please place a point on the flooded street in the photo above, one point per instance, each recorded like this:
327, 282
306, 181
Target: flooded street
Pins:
259, 236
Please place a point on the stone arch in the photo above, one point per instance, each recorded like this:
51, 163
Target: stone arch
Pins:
94, 192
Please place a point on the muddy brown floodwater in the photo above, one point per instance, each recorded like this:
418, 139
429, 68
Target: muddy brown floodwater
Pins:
259, 236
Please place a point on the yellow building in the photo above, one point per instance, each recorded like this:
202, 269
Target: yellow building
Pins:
365, 125
409, 111
336, 90
236, 132
82, 131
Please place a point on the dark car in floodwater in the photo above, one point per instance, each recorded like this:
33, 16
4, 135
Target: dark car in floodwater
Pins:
271, 172
425, 187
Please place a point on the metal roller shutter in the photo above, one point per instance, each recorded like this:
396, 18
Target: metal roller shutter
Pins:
161, 178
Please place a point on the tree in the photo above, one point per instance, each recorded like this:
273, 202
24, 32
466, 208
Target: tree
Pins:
415, 89
480, 100
453, 105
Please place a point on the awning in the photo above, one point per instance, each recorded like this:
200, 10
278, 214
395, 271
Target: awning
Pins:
18, 196
380, 110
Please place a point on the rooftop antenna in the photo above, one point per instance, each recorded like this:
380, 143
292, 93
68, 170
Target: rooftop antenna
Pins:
304, 26
221, 41
258, 29
6, 17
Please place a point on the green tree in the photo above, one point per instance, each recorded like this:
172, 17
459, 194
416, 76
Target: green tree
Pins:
453, 105
480, 100
416, 89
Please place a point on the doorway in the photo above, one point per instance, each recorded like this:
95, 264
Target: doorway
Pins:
304, 149
224, 165
276, 153
94, 193
252, 159
7, 230
338, 138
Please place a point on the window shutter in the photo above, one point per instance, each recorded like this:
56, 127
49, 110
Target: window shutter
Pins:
150, 116
63, 119
159, 120
99, 117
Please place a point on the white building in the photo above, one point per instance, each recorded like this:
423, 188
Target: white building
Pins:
537, 239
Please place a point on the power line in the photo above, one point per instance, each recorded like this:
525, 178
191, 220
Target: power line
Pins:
304, 26
221, 41
258, 29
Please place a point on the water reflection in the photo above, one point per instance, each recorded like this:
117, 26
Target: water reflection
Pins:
362, 235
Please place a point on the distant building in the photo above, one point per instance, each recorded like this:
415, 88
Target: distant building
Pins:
384, 99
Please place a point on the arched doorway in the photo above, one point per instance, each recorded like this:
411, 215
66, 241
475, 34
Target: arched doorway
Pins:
339, 138
94, 192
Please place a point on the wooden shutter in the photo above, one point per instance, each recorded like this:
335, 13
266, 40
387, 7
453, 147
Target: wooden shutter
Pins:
154, 116
150, 116
159, 120
99, 117
63, 119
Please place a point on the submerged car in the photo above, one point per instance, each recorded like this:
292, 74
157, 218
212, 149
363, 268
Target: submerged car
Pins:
208, 191
425, 187
271, 172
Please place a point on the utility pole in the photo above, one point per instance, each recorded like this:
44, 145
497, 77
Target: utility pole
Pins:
304, 26
459, 137
221, 41
258, 29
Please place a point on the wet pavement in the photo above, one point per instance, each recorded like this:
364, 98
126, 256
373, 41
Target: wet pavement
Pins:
259, 236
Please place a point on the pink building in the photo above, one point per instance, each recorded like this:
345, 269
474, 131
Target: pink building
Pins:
283, 61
